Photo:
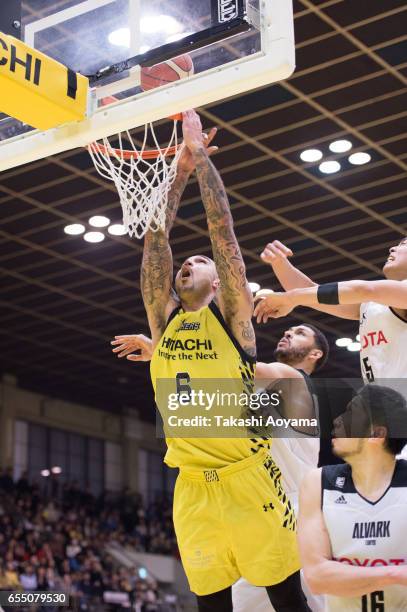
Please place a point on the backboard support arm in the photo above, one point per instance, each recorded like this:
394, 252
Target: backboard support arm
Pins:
198, 40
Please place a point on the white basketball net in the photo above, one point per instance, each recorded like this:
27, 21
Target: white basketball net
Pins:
142, 184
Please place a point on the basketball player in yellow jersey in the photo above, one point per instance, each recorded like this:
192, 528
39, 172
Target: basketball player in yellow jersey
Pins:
231, 515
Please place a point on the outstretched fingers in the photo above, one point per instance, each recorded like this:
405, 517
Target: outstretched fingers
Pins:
275, 250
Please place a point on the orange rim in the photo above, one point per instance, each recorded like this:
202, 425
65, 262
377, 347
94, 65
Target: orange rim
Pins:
127, 153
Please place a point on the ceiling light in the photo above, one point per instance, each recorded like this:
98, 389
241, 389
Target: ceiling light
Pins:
117, 229
358, 159
340, 146
159, 23
45, 473
99, 221
254, 287
329, 167
74, 229
94, 237
343, 341
353, 346
56, 470
120, 37
311, 155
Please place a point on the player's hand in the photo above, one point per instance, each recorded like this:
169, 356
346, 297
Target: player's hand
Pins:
192, 130
186, 161
127, 345
275, 252
274, 306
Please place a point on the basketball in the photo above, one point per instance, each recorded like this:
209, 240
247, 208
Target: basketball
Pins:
167, 72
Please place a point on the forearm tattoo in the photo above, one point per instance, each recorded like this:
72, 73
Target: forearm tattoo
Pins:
174, 198
157, 266
228, 258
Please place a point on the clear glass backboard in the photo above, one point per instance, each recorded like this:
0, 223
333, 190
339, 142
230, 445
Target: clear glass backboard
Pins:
92, 35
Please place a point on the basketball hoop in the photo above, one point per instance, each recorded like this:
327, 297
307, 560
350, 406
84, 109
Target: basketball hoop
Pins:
142, 176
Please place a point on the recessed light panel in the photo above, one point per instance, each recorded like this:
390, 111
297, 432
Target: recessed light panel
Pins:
94, 237
311, 155
99, 221
340, 146
358, 159
343, 342
329, 167
74, 229
117, 229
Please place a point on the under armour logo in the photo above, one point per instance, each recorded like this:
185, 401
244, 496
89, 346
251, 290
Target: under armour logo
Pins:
341, 500
267, 507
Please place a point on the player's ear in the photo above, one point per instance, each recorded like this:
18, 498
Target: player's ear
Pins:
315, 354
380, 432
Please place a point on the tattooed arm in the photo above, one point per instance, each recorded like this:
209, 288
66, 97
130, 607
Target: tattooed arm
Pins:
236, 303
157, 267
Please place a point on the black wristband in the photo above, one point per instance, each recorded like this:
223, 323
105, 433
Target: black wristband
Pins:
328, 294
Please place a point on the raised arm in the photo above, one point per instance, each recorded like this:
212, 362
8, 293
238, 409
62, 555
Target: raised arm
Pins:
235, 298
157, 265
276, 254
323, 574
391, 293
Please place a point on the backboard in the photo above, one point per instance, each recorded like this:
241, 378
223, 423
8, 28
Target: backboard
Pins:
235, 45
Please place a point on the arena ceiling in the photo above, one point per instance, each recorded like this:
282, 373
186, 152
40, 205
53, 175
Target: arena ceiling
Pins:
62, 299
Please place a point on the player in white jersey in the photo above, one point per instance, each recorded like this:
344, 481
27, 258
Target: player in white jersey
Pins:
295, 456
380, 306
353, 519
383, 339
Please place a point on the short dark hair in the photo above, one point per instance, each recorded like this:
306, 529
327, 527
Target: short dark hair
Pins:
387, 408
321, 343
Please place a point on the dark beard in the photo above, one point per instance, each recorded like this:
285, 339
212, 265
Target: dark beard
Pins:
290, 356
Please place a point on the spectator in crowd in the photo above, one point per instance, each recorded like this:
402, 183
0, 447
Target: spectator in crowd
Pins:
60, 544
13, 581
28, 578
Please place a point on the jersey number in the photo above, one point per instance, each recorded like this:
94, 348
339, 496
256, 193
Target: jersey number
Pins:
368, 369
183, 387
374, 602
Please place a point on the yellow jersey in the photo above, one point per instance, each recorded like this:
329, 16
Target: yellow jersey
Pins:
199, 345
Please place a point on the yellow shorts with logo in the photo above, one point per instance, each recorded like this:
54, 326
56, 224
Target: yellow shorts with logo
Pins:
232, 522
